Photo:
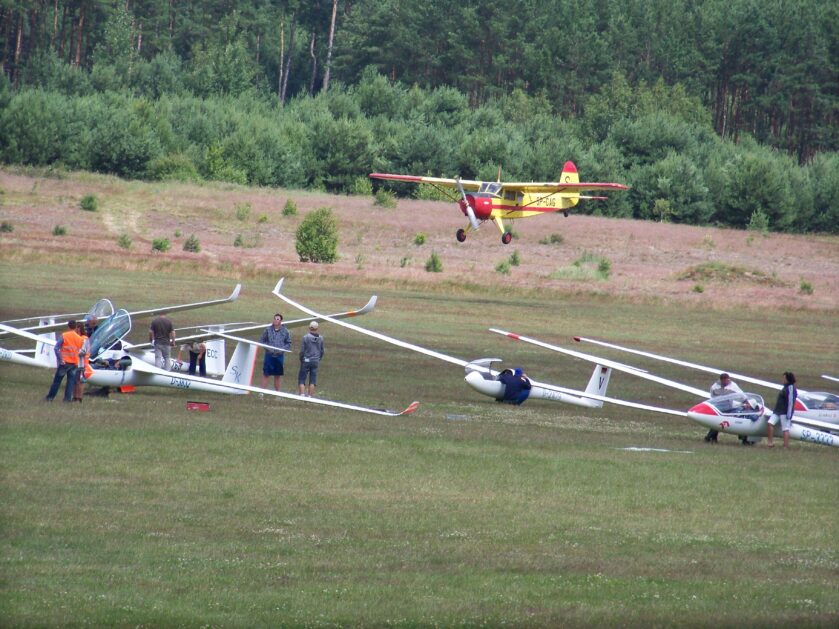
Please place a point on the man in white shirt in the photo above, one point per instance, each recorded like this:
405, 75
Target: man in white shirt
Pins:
723, 386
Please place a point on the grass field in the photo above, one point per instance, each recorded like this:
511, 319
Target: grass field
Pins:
134, 511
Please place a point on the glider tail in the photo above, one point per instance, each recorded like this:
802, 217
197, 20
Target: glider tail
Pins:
599, 381
569, 175
215, 356
240, 368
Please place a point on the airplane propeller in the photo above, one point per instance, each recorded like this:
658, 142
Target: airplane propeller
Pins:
470, 212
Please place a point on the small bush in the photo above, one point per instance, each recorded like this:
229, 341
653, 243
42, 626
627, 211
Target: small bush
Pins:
805, 287
89, 203
6, 227
503, 267
124, 241
708, 242
553, 239
290, 208
662, 210
192, 245
178, 233
434, 264
361, 186
317, 237
698, 288
160, 244
243, 211
359, 261
515, 260
604, 268
404, 262
419, 239
263, 219
385, 199
172, 167
238, 242
759, 222
59, 230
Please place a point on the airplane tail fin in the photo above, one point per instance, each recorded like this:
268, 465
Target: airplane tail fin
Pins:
240, 368
599, 381
43, 352
569, 175
215, 356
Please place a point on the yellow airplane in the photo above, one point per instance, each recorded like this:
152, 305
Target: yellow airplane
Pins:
496, 201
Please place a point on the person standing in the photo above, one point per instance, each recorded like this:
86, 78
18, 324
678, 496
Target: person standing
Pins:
83, 370
724, 386
311, 353
275, 335
67, 351
198, 358
784, 409
162, 337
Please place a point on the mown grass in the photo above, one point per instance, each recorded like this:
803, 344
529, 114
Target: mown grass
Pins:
134, 511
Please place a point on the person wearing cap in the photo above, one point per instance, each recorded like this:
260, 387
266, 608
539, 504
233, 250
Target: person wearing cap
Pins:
275, 335
67, 350
724, 386
311, 353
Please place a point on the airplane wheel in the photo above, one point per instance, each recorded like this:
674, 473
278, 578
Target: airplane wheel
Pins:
461, 235
565, 214
506, 237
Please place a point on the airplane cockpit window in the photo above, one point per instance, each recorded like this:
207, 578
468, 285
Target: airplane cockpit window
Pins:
110, 332
739, 404
510, 195
490, 187
819, 400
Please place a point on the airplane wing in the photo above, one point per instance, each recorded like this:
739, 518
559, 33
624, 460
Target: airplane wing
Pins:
556, 186
382, 337
606, 363
714, 370
293, 323
26, 334
145, 367
436, 181
826, 377
138, 313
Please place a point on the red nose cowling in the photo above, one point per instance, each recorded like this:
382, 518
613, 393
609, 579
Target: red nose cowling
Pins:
481, 205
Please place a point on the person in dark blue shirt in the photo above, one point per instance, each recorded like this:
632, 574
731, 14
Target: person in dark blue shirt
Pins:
784, 409
516, 386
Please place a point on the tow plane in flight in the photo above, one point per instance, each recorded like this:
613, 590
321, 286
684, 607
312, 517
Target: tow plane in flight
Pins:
742, 414
479, 373
498, 201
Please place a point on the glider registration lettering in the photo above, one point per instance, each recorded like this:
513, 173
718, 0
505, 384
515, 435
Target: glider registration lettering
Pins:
497, 200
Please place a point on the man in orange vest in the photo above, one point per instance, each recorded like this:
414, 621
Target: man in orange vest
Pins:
67, 352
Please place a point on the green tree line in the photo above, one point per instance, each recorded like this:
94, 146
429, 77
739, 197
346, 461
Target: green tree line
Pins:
763, 69
656, 139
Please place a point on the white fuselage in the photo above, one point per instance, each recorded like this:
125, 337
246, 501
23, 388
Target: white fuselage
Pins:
495, 389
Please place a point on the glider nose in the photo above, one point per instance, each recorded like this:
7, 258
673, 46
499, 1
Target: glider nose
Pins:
703, 409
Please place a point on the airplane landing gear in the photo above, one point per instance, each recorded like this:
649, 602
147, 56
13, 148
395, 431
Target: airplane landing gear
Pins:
460, 235
506, 237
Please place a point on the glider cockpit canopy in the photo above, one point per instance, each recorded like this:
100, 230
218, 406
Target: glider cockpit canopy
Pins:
110, 332
738, 405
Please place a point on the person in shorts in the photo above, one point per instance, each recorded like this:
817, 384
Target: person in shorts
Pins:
277, 336
311, 353
784, 409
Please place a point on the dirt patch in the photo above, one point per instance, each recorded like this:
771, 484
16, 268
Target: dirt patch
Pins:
644, 258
